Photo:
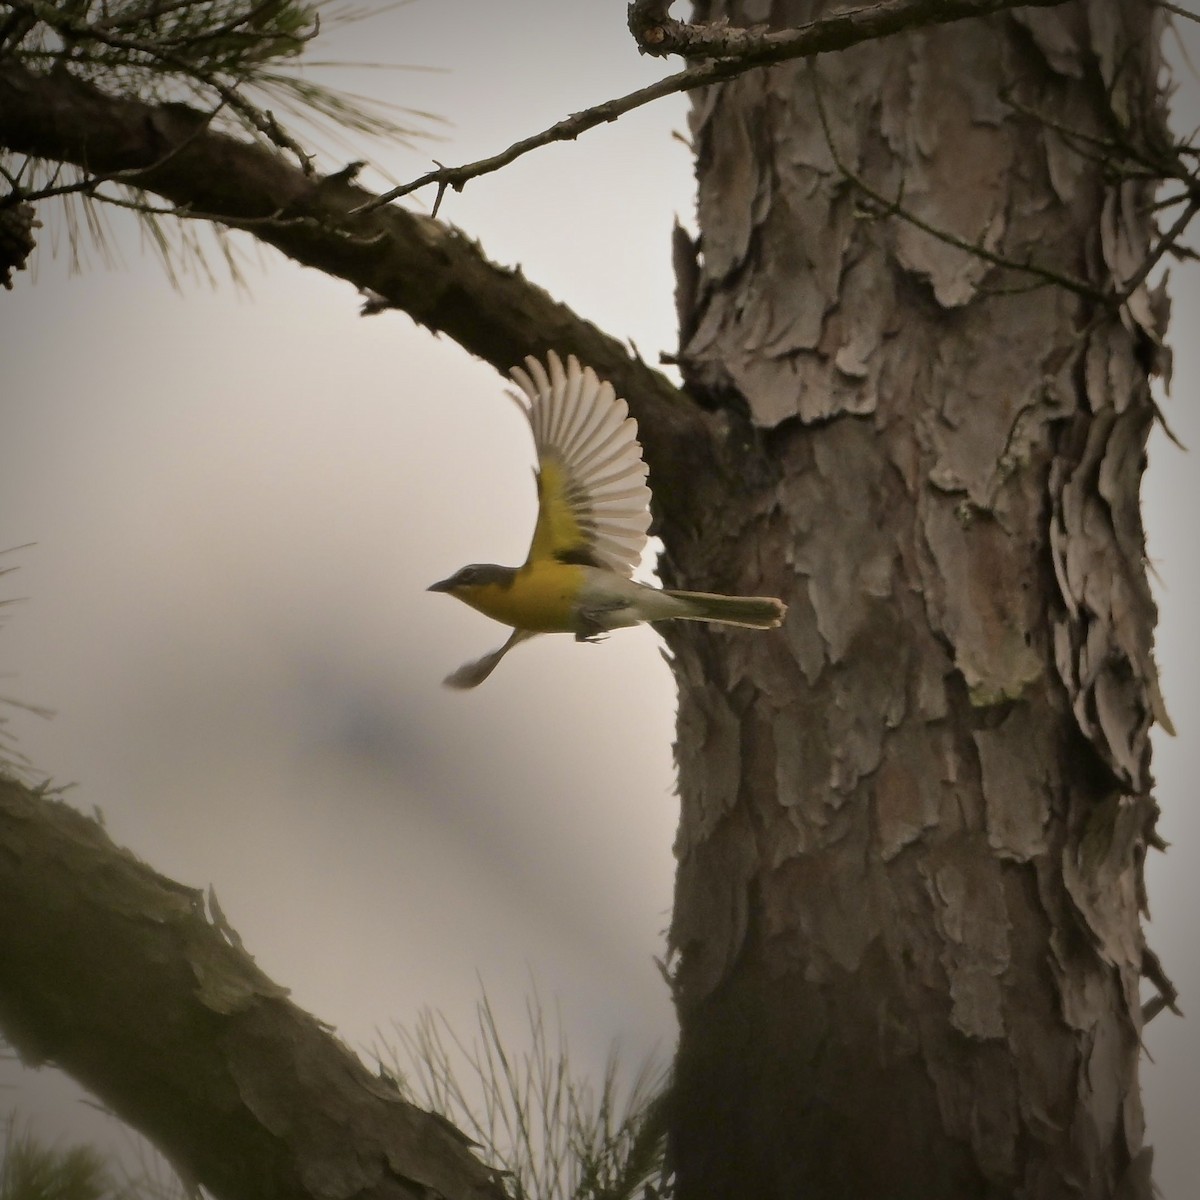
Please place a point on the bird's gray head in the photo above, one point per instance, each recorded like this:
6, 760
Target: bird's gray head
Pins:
475, 575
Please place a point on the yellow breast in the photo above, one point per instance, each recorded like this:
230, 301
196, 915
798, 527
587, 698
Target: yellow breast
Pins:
541, 597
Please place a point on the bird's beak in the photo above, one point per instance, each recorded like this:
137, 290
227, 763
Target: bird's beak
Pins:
444, 585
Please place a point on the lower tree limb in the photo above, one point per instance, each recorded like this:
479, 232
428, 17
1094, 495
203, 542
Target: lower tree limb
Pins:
118, 976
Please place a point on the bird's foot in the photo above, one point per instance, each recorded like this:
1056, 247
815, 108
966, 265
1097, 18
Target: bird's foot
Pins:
590, 629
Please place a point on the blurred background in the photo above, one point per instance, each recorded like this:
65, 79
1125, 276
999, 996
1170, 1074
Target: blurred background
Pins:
238, 496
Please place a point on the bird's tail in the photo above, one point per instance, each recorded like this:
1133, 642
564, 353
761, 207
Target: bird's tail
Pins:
751, 612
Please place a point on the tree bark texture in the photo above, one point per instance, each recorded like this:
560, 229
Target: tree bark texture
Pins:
118, 976
907, 926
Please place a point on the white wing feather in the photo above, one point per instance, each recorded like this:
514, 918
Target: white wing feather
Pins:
578, 421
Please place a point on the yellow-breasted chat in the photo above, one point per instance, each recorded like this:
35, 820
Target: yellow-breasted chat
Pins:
592, 522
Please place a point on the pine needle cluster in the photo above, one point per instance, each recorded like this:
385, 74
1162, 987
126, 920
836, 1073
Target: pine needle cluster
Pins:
33, 1169
551, 1134
242, 67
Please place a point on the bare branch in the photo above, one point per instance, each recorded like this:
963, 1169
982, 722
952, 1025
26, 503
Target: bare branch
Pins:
657, 34
1179, 12
1171, 201
834, 32
566, 130
184, 212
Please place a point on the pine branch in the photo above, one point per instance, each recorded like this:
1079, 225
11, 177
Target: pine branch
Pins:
168, 55
402, 259
118, 976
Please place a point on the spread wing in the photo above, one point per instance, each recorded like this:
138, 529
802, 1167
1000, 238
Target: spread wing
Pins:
593, 502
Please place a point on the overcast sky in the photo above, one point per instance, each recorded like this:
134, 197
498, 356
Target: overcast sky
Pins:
238, 500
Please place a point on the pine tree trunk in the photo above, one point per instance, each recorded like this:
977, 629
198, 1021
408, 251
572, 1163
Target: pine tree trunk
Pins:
907, 920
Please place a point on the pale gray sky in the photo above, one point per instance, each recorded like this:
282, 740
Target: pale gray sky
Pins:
238, 502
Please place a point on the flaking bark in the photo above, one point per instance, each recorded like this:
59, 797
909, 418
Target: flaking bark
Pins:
910, 856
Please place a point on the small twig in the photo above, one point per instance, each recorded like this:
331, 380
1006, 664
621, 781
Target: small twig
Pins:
90, 187
1168, 994
1168, 201
1013, 289
19, 195
437, 200
1108, 149
1179, 12
1165, 243
1165, 164
562, 131
1115, 300
275, 220
835, 32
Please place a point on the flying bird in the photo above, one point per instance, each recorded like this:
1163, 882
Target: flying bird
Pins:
592, 522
